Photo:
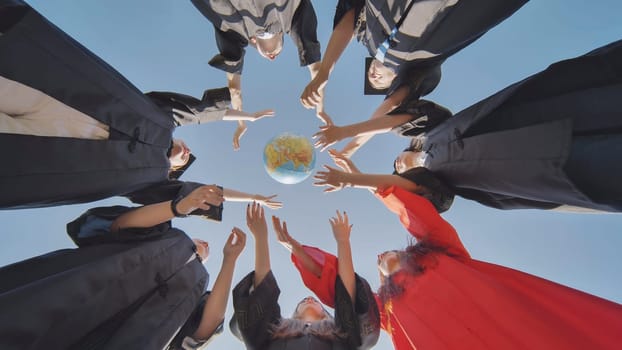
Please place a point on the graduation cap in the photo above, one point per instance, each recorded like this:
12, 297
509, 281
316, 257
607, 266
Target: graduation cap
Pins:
176, 173
368, 89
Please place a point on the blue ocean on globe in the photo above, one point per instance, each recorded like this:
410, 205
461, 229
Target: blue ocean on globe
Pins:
289, 158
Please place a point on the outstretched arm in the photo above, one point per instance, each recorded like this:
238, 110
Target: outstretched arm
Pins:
294, 247
237, 196
256, 222
215, 307
387, 106
336, 180
339, 39
234, 82
154, 214
341, 230
329, 134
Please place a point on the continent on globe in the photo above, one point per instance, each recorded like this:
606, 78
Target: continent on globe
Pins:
289, 158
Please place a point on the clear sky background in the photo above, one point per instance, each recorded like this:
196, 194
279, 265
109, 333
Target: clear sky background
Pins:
165, 45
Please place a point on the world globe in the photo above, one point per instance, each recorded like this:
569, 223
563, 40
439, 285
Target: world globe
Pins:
289, 158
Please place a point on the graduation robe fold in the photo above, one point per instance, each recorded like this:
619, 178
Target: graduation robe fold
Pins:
132, 289
510, 150
462, 303
57, 170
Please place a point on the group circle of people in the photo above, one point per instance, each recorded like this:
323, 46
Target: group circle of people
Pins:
136, 282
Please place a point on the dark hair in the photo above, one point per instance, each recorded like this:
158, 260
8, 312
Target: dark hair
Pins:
292, 327
412, 263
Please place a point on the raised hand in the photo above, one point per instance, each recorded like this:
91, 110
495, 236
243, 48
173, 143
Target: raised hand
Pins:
283, 236
341, 227
313, 94
256, 221
201, 198
267, 201
328, 135
261, 114
342, 161
235, 244
333, 179
237, 135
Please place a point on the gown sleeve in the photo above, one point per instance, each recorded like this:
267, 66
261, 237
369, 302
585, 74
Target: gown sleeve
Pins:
93, 227
359, 320
184, 339
231, 46
255, 311
185, 109
304, 33
170, 190
426, 115
422, 220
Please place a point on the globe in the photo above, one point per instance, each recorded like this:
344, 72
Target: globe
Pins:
289, 158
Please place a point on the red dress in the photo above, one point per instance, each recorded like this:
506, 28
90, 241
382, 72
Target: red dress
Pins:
462, 303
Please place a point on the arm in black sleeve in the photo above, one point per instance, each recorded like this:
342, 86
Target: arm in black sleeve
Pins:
184, 338
359, 321
170, 190
231, 46
256, 311
304, 33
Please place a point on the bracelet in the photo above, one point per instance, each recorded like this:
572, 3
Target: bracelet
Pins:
174, 203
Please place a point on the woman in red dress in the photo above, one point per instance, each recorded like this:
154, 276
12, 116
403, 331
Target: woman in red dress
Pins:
435, 296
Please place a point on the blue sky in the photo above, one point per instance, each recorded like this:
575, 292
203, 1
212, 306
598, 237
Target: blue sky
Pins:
165, 45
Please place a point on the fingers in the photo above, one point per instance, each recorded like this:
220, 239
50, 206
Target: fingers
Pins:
237, 135
249, 215
266, 113
285, 232
276, 222
237, 237
274, 205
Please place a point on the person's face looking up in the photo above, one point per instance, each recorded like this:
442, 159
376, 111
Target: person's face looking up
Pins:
389, 262
407, 160
202, 248
380, 76
269, 48
309, 309
180, 154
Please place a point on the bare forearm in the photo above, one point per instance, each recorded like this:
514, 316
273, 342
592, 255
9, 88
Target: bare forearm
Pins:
391, 102
339, 40
375, 181
388, 105
376, 125
146, 216
237, 115
346, 267
262, 260
216, 305
237, 196
314, 68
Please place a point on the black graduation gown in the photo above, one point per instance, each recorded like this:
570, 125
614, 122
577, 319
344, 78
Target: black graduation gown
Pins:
132, 289
510, 150
257, 311
431, 31
236, 21
56, 170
